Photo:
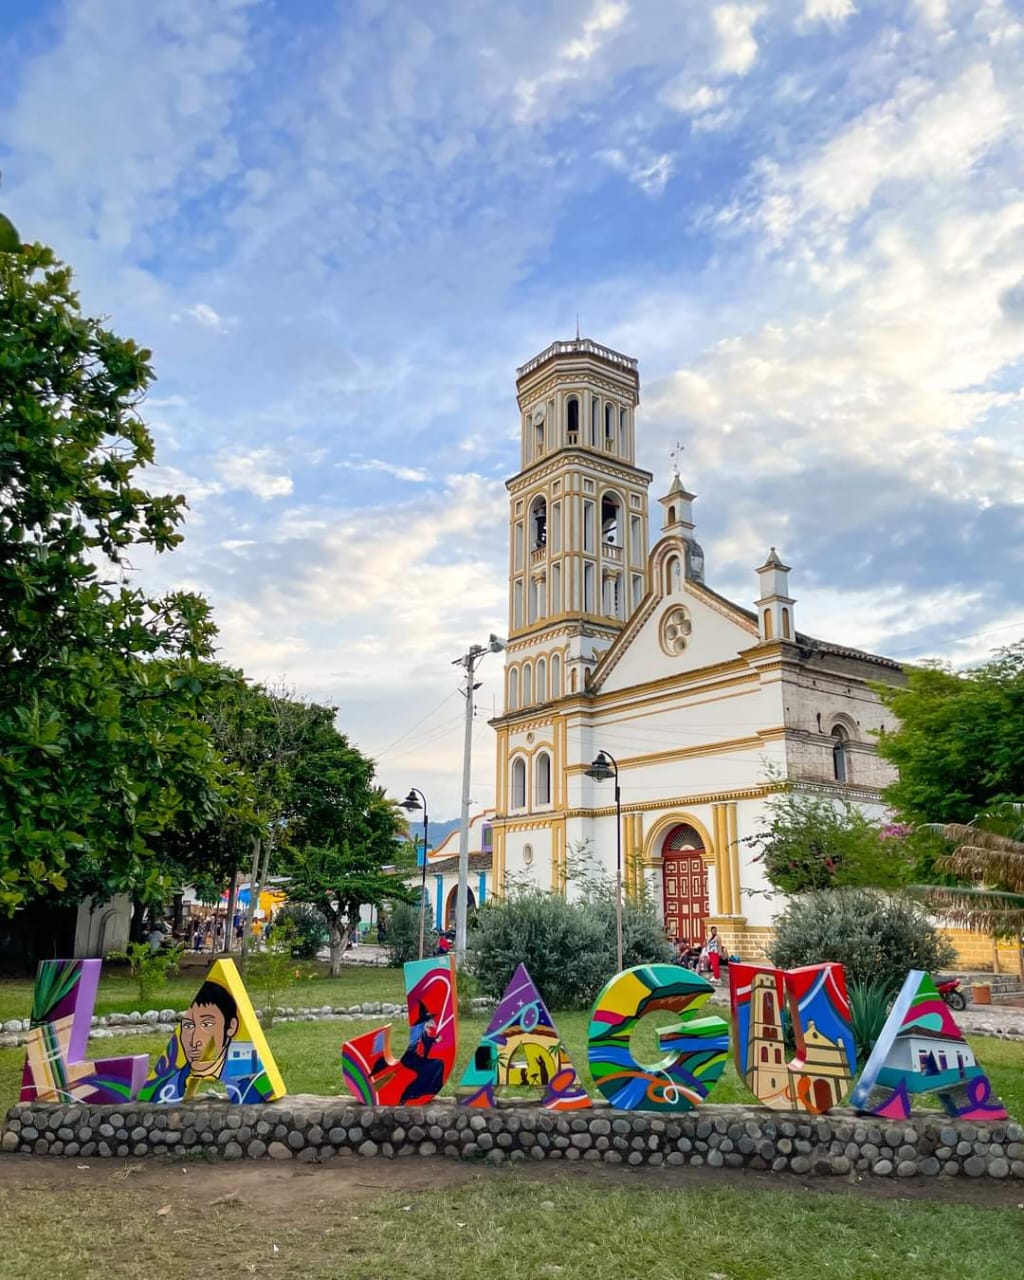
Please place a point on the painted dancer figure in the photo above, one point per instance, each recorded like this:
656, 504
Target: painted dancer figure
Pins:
428, 1072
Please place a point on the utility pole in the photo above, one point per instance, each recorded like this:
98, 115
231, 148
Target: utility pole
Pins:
469, 661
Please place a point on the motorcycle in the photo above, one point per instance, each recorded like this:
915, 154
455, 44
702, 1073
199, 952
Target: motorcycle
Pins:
951, 993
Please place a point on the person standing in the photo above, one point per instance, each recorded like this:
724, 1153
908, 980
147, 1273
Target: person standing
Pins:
713, 951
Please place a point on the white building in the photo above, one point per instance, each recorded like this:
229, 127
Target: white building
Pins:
707, 706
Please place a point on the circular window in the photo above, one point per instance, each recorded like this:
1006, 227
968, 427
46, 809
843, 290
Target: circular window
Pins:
675, 630
527, 855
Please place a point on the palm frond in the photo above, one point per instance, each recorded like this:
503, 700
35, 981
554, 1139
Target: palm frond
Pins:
1004, 868
978, 909
977, 839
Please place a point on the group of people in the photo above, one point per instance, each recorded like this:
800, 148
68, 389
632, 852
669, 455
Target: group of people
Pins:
701, 956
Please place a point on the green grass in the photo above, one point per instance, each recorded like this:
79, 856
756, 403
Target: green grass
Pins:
119, 993
308, 1054
505, 1225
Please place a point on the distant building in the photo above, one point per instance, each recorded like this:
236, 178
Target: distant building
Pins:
443, 870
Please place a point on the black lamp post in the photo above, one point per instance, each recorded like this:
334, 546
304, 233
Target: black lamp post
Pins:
410, 804
603, 768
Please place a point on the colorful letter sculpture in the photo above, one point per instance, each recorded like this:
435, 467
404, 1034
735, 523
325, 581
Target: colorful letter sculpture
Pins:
818, 1008
218, 1040
696, 1048
521, 1028
56, 1068
922, 1050
369, 1070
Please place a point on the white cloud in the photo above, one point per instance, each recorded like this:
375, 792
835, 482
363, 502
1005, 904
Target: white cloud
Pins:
207, 317
415, 475
832, 12
682, 96
648, 172
572, 58
734, 30
259, 471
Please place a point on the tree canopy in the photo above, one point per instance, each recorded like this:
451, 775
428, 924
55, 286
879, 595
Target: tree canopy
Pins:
959, 745
103, 745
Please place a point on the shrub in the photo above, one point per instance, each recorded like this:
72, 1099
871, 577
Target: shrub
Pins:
150, 968
403, 934
568, 947
877, 938
869, 1008
273, 970
308, 929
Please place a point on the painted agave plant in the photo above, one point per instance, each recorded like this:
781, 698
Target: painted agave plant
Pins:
54, 982
995, 902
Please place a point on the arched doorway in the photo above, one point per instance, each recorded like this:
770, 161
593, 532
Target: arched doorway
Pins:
449, 906
684, 884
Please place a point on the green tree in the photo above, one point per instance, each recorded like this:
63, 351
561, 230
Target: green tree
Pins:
810, 842
345, 849
959, 744
103, 748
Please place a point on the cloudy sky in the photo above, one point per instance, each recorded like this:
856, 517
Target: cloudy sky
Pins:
341, 225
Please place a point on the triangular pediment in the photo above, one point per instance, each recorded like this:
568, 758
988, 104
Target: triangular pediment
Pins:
673, 632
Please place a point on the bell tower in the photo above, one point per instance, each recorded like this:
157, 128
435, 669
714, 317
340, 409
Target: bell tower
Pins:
578, 519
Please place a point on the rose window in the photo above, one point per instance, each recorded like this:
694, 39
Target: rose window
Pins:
675, 630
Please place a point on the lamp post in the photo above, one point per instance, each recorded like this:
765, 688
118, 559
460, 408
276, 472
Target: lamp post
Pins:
413, 801
603, 768
469, 661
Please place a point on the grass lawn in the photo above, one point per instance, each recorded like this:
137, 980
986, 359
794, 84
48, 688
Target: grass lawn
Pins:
308, 1054
119, 993
350, 1222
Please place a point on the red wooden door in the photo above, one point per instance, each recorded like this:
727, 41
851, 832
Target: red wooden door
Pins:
685, 888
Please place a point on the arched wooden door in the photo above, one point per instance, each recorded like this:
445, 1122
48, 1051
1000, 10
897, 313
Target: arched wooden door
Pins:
452, 902
684, 885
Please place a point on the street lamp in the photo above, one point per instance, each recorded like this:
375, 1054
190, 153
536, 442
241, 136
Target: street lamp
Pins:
603, 768
410, 804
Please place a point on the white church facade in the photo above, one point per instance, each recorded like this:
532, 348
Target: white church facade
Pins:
704, 705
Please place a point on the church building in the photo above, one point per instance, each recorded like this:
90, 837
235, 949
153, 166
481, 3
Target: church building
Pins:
702, 706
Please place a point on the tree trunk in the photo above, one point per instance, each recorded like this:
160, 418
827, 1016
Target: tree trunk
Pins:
229, 920
341, 931
135, 927
253, 897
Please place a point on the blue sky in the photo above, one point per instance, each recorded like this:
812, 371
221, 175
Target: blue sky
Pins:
340, 226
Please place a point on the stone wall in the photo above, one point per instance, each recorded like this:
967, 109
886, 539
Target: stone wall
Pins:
315, 1130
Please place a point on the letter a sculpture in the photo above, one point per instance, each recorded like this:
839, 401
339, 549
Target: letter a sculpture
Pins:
522, 1047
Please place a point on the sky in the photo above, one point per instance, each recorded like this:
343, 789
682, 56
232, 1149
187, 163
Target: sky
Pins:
340, 226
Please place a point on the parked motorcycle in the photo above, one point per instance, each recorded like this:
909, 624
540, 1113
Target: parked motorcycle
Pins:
951, 993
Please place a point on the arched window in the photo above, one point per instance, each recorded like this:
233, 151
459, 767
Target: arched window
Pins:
840, 755
542, 780
542, 680
538, 523
611, 520
671, 515
768, 629
513, 688
527, 684
787, 631
518, 783
572, 419
556, 676
673, 574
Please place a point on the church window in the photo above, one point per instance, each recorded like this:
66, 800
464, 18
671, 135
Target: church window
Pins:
638, 590
517, 542
635, 548
556, 527
588, 588
840, 760
527, 684
542, 780
588, 526
518, 783
675, 630
787, 633
542, 680
595, 413
538, 438
623, 432
764, 1053
671, 515
610, 519
673, 574
612, 595
556, 588
769, 630
517, 603
538, 523
513, 688
768, 1010
572, 419
527, 855
556, 676
609, 427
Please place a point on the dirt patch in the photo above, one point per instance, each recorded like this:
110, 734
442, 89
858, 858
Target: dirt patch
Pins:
265, 1188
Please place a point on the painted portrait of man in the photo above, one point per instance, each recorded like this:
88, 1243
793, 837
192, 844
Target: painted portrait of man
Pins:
208, 1027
